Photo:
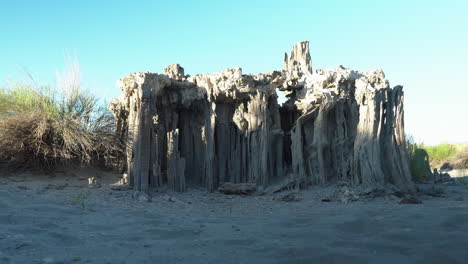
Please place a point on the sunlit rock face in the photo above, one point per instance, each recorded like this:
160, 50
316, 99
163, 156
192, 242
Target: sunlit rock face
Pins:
209, 129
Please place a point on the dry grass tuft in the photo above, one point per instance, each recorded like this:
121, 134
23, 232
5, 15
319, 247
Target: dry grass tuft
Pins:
39, 127
36, 138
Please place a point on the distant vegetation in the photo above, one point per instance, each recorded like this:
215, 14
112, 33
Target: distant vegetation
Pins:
24, 98
453, 156
440, 153
45, 127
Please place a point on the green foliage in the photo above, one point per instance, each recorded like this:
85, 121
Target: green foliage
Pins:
44, 127
422, 157
440, 153
25, 98
418, 160
420, 169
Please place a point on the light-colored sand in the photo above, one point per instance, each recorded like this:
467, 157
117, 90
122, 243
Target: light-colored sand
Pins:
60, 220
458, 173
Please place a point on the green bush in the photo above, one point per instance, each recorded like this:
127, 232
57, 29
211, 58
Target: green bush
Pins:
39, 126
418, 160
22, 98
422, 157
442, 152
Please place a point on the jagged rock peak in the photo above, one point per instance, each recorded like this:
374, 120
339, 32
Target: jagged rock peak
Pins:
298, 62
175, 71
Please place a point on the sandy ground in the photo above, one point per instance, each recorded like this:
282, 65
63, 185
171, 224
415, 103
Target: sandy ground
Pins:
60, 220
458, 173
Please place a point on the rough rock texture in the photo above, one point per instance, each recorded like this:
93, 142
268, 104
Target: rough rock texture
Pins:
224, 127
350, 126
175, 71
457, 162
298, 62
438, 177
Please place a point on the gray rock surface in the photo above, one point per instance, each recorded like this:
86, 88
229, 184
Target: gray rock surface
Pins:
298, 62
214, 128
175, 71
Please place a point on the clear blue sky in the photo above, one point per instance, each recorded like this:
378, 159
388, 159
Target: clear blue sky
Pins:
422, 45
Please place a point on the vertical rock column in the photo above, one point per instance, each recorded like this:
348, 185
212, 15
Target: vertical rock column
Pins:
367, 149
258, 139
208, 139
395, 155
351, 128
136, 111
299, 61
175, 163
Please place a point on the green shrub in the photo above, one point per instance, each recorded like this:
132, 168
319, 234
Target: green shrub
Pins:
422, 158
43, 127
442, 152
22, 98
418, 160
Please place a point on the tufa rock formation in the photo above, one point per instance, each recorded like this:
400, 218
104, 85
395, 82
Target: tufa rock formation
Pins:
298, 63
228, 127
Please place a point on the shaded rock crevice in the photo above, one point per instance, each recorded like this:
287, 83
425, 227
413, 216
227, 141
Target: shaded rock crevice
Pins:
222, 127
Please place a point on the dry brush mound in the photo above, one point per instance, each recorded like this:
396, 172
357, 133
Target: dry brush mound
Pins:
42, 128
36, 138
